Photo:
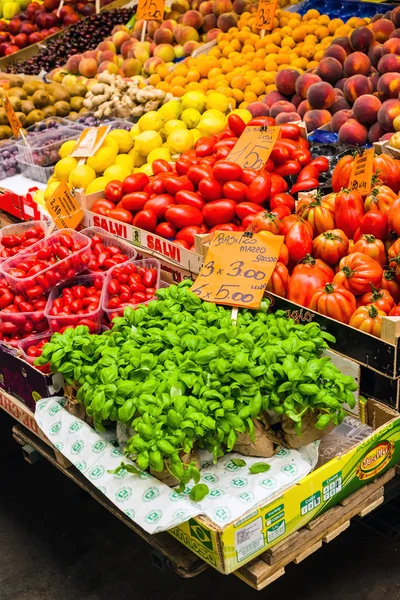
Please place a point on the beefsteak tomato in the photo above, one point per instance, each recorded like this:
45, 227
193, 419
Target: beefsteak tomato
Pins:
306, 278
278, 284
334, 301
321, 216
368, 244
379, 297
394, 216
357, 271
349, 210
331, 246
380, 198
390, 283
368, 319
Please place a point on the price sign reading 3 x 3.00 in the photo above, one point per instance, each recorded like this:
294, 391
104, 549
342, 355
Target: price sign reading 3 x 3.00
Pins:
265, 14
361, 174
237, 268
254, 146
150, 9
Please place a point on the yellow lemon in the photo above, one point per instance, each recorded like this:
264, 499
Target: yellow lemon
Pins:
244, 114
396, 123
195, 100
210, 125
110, 143
171, 125
67, 148
159, 153
147, 168
97, 185
138, 159
147, 141
151, 121
103, 158
180, 140
81, 176
64, 167
53, 179
117, 172
123, 139
125, 160
170, 110
190, 117
196, 134
135, 130
218, 101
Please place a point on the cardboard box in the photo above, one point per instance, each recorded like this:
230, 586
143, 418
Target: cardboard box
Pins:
229, 548
21, 413
21, 379
21, 207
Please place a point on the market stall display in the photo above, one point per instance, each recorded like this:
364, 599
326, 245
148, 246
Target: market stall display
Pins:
209, 306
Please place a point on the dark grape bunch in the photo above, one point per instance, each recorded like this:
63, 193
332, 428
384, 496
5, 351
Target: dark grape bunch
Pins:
84, 35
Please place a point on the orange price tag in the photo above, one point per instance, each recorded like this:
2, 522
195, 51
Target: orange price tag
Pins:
15, 123
254, 146
64, 208
361, 174
265, 14
237, 268
150, 9
90, 141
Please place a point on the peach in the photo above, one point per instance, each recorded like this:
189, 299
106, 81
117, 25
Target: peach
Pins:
391, 46
395, 16
316, 118
389, 110
140, 52
180, 6
226, 21
302, 108
389, 63
163, 36
281, 106
357, 64
339, 104
131, 67
73, 63
108, 55
210, 22
374, 78
356, 86
285, 81
239, 6
193, 18
152, 27
382, 29
168, 24
345, 43
119, 28
151, 64
395, 34
386, 136
296, 99
340, 119
190, 47
119, 38
126, 46
389, 86
375, 54
178, 51
336, 51
366, 108
222, 6
165, 52
205, 8
361, 39
303, 83
321, 95
330, 70
212, 34
352, 132
88, 67
273, 97
103, 46
173, 15
287, 118
340, 84
109, 66
258, 109
187, 34
375, 133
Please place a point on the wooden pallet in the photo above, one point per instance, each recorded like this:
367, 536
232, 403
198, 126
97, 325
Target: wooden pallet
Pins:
182, 560
270, 565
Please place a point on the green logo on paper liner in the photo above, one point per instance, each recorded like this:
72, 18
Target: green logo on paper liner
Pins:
208, 478
59, 446
153, 517
238, 483
290, 470
81, 465
150, 494
283, 452
217, 493
230, 466
98, 447
222, 514
245, 497
54, 409
130, 513
269, 483
56, 428
201, 534
75, 427
123, 494
178, 514
96, 472
77, 447
115, 453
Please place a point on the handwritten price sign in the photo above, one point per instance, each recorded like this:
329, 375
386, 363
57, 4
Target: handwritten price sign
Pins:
150, 9
237, 268
265, 14
361, 174
254, 146
90, 141
64, 208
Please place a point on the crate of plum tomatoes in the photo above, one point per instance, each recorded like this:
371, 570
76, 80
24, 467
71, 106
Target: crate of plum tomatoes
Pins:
31, 348
107, 250
16, 238
76, 302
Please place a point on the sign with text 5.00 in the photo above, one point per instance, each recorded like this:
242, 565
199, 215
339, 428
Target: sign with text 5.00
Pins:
150, 9
266, 13
237, 268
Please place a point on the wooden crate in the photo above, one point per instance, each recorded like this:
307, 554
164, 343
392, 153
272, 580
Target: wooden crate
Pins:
271, 565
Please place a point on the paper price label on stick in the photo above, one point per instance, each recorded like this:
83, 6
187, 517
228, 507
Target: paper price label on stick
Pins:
15, 123
361, 174
64, 208
150, 9
90, 141
254, 146
265, 14
237, 268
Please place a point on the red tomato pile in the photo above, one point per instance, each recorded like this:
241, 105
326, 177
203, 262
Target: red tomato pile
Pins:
127, 285
202, 191
34, 351
341, 255
12, 244
19, 317
77, 305
104, 257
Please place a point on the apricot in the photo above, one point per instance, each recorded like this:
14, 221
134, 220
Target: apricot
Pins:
316, 118
389, 63
389, 86
361, 39
285, 81
303, 83
382, 28
336, 51
339, 118
281, 106
366, 108
330, 70
357, 64
389, 110
352, 132
321, 95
